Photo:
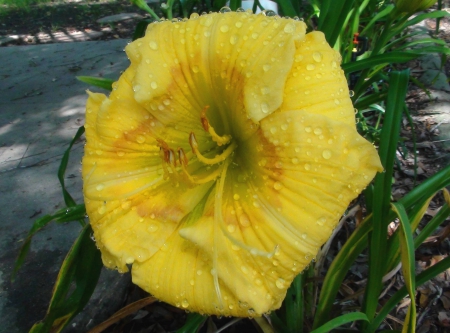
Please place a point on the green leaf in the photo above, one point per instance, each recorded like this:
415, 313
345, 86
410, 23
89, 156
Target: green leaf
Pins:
62, 215
333, 14
103, 83
408, 262
287, 8
63, 166
74, 286
402, 292
339, 321
139, 32
435, 222
193, 323
381, 59
235, 4
143, 5
398, 85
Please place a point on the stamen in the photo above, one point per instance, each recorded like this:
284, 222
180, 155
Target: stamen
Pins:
195, 180
219, 158
220, 140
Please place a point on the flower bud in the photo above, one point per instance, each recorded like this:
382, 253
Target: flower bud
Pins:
413, 6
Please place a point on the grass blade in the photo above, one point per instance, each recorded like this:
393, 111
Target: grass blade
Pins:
193, 323
63, 166
339, 321
100, 82
382, 189
408, 264
63, 215
74, 286
401, 293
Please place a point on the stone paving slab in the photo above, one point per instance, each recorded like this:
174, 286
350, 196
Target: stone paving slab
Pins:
41, 107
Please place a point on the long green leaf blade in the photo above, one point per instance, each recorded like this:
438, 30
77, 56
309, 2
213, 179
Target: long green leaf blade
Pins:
100, 82
81, 268
398, 85
408, 262
339, 321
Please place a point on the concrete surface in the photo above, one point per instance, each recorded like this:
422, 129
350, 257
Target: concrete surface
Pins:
41, 107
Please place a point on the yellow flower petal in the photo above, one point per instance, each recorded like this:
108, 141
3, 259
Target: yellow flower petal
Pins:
222, 160
316, 72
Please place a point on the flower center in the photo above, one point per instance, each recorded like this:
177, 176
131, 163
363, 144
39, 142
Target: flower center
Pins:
175, 163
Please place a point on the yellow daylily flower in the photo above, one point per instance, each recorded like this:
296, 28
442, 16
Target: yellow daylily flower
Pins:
222, 160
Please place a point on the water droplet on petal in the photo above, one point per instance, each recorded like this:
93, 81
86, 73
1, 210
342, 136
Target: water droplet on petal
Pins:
264, 108
231, 228
154, 85
100, 187
244, 220
153, 45
277, 186
266, 67
307, 167
185, 303
321, 221
236, 196
310, 67
280, 283
153, 227
317, 56
224, 28
326, 154
289, 28
140, 139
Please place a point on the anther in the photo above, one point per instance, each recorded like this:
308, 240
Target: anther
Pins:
220, 140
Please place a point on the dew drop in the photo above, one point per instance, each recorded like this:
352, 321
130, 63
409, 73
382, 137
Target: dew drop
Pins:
351, 93
289, 28
266, 67
277, 186
231, 228
258, 282
236, 196
255, 35
153, 45
317, 56
129, 260
194, 16
317, 131
284, 127
199, 272
295, 160
224, 28
153, 227
195, 69
310, 67
307, 167
265, 90
321, 221
244, 269
345, 151
185, 303
275, 262
101, 210
243, 220
234, 39
140, 139
100, 187
337, 102
120, 153
154, 85
280, 283
304, 236
191, 282
264, 108
273, 130
231, 307
326, 154
238, 24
